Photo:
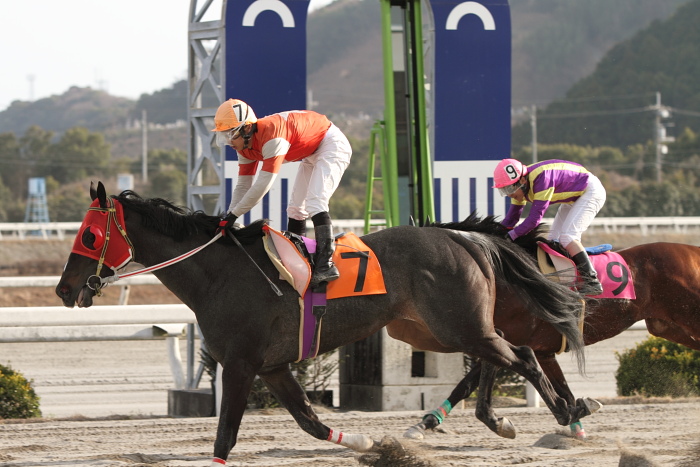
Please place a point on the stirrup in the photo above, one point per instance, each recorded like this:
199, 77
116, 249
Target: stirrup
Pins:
590, 286
330, 274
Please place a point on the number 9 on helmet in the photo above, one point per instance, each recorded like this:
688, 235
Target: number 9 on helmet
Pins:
507, 174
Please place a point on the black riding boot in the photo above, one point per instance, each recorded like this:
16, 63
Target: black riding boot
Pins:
296, 226
589, 283
324, 269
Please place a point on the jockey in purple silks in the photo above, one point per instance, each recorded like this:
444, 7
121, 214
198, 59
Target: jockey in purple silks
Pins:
578, 192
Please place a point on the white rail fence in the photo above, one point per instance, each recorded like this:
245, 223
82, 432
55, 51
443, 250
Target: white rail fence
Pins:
110, 322
645, 225
123, 322
41, 230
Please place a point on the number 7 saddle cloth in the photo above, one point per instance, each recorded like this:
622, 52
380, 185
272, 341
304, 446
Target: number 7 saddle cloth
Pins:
360, 274
360, 271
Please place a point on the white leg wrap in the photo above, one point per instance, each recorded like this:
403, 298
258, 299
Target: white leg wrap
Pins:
216, 462
359, 443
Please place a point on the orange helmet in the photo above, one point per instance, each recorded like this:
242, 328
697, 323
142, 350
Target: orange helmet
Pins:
233, 114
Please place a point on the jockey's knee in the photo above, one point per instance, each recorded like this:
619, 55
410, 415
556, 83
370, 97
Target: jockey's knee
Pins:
566, 239
296, 212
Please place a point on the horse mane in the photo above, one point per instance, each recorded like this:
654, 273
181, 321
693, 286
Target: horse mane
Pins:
179, 222
490, 226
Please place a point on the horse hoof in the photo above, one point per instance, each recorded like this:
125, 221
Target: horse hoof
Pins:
592, 405
578, 432
505, 428
415, 432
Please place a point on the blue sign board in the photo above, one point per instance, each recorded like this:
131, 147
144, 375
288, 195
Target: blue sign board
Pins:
472, 99
265, 63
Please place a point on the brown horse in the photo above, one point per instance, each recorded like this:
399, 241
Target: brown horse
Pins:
446, 280
667, 284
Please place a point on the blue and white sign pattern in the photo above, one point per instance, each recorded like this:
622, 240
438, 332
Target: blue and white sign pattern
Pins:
472, 105
265, 55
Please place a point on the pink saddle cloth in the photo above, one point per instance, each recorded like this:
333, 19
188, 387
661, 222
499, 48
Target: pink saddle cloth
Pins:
613, 272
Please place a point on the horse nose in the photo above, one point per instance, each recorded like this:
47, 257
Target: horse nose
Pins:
63, 290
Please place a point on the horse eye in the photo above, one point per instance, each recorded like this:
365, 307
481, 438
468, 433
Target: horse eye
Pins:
88, 239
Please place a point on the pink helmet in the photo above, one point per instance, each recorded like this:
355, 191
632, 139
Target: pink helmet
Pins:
508, 172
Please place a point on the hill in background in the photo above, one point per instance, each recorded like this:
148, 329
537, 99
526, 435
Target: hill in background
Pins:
555, 44
614, 105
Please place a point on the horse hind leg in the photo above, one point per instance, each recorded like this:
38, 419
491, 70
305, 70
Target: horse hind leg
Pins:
484, 404
280, 381
433, 419
563, 411
498, 351
552, 370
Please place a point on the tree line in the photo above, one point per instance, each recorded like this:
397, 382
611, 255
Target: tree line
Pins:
630, 176
69, 162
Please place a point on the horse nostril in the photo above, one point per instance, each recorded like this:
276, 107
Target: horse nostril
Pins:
64, 290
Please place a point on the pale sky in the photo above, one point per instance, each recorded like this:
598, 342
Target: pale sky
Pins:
125, 47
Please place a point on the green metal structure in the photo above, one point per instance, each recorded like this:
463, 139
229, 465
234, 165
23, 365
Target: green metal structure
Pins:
400, 141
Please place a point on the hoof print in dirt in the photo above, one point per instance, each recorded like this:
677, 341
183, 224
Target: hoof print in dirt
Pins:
556, 441
391, 453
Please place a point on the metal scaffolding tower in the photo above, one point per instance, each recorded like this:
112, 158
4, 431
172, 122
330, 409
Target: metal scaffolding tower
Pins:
206, 79
37, 207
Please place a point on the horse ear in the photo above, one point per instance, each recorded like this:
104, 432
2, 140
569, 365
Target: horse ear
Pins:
101, 195
93, 192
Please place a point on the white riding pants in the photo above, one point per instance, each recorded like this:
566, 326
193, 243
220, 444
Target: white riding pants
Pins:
573, 219
319, 176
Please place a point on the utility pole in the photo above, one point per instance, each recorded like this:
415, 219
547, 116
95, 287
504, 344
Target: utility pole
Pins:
660, 138
30, 78
144, 147
533, 125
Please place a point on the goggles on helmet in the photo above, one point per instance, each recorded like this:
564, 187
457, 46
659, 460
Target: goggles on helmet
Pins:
510, 189
224, 138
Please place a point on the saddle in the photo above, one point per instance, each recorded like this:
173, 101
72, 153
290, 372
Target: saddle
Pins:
292, 255
613, 272
555, 263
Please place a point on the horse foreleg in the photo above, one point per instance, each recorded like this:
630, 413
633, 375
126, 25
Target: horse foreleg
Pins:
237, 379
684, 335
462, 391
587, 406
484, 404
281, 382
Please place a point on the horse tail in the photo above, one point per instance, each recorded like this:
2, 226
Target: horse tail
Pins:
549, 301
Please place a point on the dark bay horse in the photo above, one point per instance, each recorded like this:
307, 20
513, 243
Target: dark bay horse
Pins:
667, 284
448, 282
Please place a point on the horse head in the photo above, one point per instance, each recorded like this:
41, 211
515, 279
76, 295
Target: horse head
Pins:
81, 278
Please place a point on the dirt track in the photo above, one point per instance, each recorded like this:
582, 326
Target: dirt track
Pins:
664, 434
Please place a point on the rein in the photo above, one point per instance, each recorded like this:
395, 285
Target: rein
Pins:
104, 281
96, 283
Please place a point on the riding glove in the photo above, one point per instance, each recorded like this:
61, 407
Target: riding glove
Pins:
226, 223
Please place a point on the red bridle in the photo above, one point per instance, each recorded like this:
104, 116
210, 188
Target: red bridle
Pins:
94, 237
97, 226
